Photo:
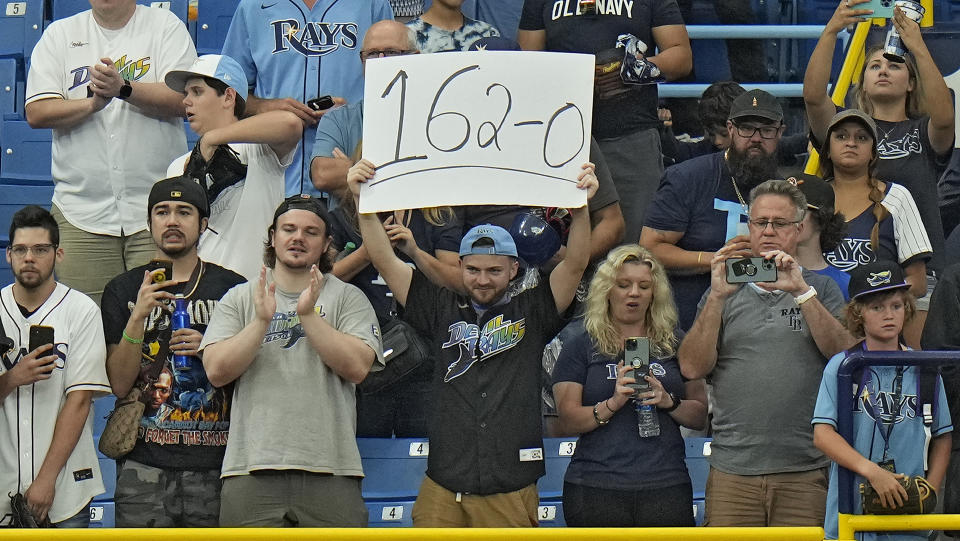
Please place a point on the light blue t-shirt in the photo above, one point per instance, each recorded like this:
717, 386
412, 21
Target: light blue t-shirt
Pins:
906, 439
288, 50
340, 128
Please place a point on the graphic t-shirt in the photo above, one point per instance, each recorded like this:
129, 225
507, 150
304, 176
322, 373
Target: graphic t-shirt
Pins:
186, 420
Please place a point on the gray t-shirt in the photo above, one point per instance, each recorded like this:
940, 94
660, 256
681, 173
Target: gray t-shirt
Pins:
290, 410
766, 380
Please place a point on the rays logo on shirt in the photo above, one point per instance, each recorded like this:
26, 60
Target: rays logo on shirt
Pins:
497, 336
900, 148
313, 39
850, 254
130, 70
287, 326
884, 404
59, 349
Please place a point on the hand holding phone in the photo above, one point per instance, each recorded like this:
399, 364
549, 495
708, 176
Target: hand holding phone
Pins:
41, 335
741, 270
636, 357
166, 270
321, 103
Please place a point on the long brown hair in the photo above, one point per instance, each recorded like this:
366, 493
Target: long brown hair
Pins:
915, 104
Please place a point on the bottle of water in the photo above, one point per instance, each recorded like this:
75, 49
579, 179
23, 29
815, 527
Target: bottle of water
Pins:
648, 422
181, 320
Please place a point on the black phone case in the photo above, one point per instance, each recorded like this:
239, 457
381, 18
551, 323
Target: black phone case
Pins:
40, 335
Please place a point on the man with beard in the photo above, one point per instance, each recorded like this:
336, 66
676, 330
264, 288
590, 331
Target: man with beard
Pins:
169, 479
700, 203
46, 448
296, 342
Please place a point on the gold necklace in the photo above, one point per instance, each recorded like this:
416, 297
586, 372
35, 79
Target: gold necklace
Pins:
743, 204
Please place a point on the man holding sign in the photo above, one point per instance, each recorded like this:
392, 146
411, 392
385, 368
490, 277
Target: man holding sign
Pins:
485, 429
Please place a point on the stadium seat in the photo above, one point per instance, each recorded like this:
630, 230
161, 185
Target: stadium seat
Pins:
556, 457
698, 449
699, 508
108, 471
21, 23
62, 9
101, 409
213, 21
8, 87
550, 514
13, 197
6, 274
101, 515
390, 514
393, 468
26, 154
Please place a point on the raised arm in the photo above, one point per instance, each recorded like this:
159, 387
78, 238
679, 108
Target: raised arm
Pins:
674, 56
565, 277
394, 271
281, 130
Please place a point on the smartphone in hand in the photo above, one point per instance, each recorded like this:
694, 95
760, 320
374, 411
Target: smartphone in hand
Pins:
321, 103
636, 356
41, 335
750, 269
167, 270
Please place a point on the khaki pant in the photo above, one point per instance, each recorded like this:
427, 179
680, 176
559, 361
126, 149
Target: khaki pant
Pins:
437, 507
91, 260
292, 498
777, 499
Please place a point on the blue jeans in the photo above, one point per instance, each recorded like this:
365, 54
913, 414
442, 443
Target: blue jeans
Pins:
80, 520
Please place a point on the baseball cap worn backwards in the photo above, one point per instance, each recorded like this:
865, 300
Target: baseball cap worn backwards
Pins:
503, 243
181, 188
757, 103
220, 67
819, 194
874, 277
303, 201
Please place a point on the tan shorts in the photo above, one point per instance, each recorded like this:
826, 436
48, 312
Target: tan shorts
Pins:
437, 507
777, 499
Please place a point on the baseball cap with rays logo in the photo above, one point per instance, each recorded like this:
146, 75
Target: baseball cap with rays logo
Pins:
220, 67
874, 277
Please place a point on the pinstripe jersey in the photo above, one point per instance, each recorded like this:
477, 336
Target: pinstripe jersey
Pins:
287, 50
28, 415
902, 237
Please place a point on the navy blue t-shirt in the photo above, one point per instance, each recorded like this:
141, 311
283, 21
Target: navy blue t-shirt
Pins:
614, 456
697, 198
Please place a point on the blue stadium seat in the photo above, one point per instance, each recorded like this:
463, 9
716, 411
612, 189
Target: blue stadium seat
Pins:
213, 21
13, 197
101, 409
550, 514
20, 26
6, 274
108, 471
698, 449
390, 514
8, 87
102, 515
556, 455
699, 508
393, 468
62, 9
26, 154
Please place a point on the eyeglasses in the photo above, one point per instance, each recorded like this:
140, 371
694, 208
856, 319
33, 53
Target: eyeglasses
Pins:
766, 132
39, 250
778, 225
378, 53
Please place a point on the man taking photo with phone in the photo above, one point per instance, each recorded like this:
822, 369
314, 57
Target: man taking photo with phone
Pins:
171, 478
764, 346
46, 447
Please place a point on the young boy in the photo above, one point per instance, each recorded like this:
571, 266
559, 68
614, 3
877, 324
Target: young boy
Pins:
888, 424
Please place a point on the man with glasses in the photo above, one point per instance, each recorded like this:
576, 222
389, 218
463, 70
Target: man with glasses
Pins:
295, 343
295, 52
700, 203
764, 346
340, 131
46, 447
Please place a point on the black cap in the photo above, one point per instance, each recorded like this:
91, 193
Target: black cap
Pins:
756, 102
819, 194
304, 202
880, 275
180, 188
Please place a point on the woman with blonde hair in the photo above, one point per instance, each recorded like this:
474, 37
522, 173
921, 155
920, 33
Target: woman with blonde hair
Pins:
617, 477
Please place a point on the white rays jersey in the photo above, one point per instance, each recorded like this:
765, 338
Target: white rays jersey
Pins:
29, 413
103, 168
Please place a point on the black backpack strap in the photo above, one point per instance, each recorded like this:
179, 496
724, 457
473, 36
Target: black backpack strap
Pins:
927, 393
6, 344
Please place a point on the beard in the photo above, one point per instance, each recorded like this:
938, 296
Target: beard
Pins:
35, 279
749, 171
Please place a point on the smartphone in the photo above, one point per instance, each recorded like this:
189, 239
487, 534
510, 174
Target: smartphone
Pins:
882, 9
636, 356
751, 269
41, 335
321, 103
165, 274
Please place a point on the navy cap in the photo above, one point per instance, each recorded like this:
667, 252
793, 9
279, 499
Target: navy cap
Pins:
880, 275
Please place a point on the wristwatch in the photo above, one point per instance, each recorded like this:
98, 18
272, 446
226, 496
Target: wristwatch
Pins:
676, 403
805, 296
125, 90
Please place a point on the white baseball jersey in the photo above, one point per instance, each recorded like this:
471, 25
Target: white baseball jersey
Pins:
29, 414
103, 168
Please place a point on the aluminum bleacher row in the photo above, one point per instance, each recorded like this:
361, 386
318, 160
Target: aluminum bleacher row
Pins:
394, 469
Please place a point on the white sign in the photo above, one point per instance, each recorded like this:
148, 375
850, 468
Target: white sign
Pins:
468, 128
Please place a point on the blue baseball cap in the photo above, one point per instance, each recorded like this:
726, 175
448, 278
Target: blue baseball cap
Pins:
502, 241
220, 67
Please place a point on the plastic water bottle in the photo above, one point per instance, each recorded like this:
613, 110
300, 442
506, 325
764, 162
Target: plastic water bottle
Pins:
648, 421
181, 320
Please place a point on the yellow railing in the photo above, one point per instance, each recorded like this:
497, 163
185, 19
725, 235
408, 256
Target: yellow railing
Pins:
849, 525
431, 534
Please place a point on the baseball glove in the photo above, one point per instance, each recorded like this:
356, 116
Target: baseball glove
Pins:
224, 169
921, 498
20, 515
